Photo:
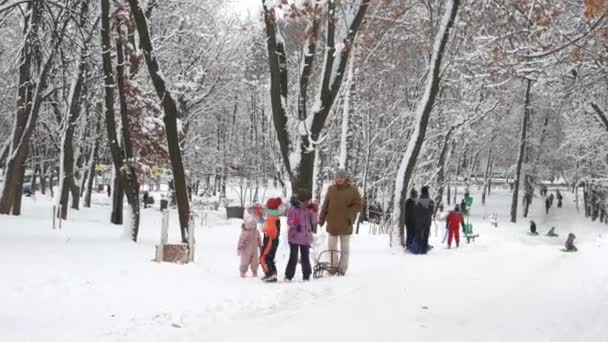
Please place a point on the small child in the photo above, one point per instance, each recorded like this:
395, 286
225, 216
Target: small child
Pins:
250, 242
533, 228
570, 243
302, 220
552, 232
271, 230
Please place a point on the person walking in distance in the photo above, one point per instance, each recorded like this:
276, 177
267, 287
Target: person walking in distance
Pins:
453, 223
340, 208
410, 222
423, 213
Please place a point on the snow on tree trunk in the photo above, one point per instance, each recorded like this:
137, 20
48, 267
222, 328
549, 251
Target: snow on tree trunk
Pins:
473, 168
4, 154
170, 119
441, 169
130, 183
486, 176
93, 159
13, 163
423, 112
66, 173
110, 120
600, 113
297, 149
522, 151
15, 168
346, 114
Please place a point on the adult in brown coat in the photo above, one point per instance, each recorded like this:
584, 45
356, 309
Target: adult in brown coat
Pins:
340, 208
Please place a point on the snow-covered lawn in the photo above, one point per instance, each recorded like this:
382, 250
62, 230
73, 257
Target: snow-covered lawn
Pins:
88, 283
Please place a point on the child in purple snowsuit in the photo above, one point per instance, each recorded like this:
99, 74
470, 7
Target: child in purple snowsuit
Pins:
302, 219
250, 242
570, 243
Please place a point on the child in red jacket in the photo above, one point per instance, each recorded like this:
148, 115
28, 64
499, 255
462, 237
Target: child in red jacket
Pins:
271, 230
453, 222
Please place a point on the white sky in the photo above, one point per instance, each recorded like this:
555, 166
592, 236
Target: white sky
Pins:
247, 6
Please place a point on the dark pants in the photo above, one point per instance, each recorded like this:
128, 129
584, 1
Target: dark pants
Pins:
420, 243
293, 261
269, 251
410, 233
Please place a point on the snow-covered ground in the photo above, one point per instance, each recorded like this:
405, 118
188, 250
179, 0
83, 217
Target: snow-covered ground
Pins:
88, 283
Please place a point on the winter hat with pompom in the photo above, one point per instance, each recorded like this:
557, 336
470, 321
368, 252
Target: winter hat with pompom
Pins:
274, 203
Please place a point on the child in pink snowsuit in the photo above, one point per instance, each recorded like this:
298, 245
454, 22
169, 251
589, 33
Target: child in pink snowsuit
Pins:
250, 242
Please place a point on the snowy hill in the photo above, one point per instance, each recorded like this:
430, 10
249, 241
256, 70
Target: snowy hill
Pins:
88, 283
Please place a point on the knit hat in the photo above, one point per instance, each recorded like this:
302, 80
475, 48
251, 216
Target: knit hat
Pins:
274, 203
424, 192
257, 209
342, 173
413, 193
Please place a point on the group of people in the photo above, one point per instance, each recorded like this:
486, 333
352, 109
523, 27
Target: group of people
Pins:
419, 212
549, 200
339, 211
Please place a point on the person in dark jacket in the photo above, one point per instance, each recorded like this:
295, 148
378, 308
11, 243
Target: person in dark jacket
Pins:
570, 243
423, 216
548, 204
560, 199
146, 199
410, 223
533, 228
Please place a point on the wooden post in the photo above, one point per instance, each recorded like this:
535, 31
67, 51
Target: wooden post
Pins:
191, 240
164, 236
60, 218
54, 214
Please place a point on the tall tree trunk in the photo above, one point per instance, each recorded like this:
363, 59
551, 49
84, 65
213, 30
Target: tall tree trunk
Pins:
522, 150
43, 175
115, 149
170, 118
441, 169
66, 174
334, 67
29, 101
13, 176
424, 109
130, 184
486, 177
4, 154
490, 179
93, 158
118, 195
35, 174
365, 208
458, 168
449, 194
601, 115
473, 169
346, 114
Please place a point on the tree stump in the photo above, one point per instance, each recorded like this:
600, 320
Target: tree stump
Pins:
174, 253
